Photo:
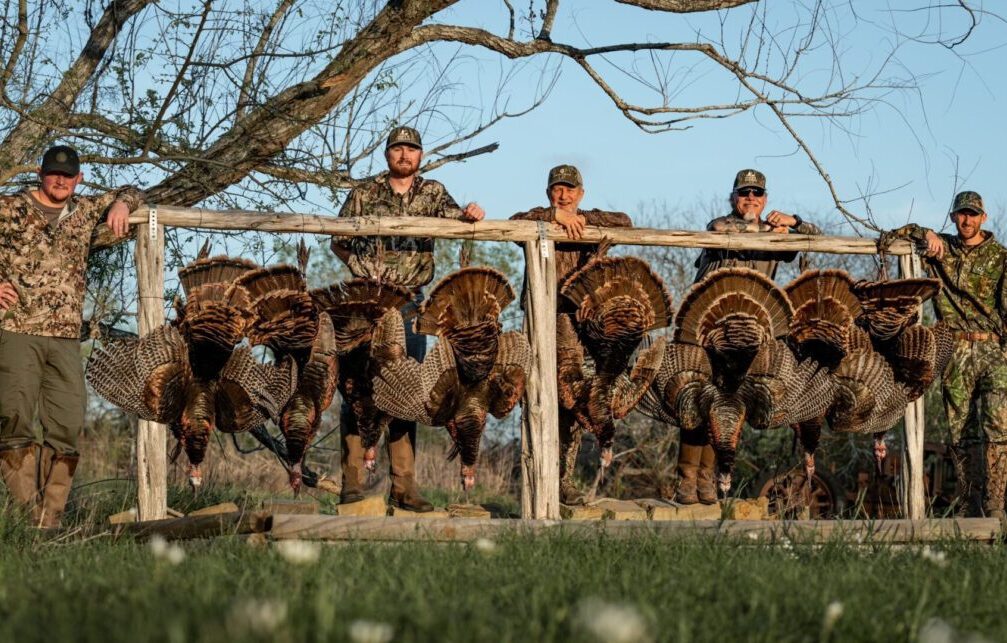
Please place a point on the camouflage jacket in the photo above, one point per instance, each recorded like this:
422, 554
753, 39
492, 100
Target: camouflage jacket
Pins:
406, 261
572, 256
764, 261
47, 264
974, 295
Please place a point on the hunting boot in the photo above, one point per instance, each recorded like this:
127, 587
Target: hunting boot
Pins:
19, 469
352, 489
996, 479
706, 487
968, 462
405, 493
58, 470
689, 457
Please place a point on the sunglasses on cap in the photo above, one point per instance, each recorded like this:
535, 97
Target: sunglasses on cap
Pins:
750, 192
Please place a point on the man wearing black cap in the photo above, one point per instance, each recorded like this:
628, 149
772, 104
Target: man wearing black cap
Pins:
45, 236
972, 268
565, 191
696, 459
405, 261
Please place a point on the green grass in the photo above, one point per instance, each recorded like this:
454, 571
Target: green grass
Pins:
524, 590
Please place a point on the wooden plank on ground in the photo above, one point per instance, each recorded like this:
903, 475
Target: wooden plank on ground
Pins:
187, 527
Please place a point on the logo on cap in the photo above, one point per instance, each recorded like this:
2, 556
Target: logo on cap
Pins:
968, 201
565, 174
750, 179
404, 136
62, 159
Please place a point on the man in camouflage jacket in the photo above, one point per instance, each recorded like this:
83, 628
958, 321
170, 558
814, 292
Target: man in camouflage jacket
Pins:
45, 236
565, 190
696, 458
405, 261
973, 302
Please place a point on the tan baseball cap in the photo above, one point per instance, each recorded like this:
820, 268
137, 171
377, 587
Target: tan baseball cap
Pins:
565, 174
750, 179
404, 136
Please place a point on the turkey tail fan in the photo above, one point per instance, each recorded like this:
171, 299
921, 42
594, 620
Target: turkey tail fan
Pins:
147, 376
863, 382
733, 299
630, 389
284, 315
510, 373
685, 366
354, 306
265, 281
912, 356
464, 298
220, 269
249, 393
417, 392
889, 307
610, 284
824, 310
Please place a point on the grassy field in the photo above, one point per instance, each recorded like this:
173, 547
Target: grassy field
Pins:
515, 589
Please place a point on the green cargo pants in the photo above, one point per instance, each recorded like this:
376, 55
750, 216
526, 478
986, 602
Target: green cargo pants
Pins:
975, 392
43, 374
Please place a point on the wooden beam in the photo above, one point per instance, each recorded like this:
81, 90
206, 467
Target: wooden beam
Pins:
540, 415
151, 438
495, 230
354, 528
913, 497
205, 526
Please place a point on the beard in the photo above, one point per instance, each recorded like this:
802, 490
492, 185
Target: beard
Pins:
404, 168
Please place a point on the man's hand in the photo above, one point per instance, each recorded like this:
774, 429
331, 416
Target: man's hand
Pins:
778, 219
473, 212
8, 296
780, 229
118, 219
935, 246
572, 222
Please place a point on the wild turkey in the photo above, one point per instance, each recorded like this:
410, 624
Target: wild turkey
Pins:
474, 369
354, 307
188, 374
286, 320
615, 301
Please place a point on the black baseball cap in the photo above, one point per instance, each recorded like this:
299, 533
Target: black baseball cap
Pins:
61, 159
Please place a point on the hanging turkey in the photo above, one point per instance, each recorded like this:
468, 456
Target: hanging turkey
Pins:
474, 370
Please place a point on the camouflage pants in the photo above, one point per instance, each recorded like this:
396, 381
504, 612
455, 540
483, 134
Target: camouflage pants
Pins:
43, 374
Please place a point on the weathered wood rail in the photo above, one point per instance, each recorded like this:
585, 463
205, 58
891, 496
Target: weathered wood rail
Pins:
540, 429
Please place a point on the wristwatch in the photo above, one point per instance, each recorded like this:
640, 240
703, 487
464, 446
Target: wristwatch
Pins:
797, 222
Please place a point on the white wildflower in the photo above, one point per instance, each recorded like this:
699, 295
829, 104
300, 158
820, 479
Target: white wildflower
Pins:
299, 552
753, 535
370, 632
261, 617
611, 622
163, 550
935, 556
485, 545
940, 631
833, 612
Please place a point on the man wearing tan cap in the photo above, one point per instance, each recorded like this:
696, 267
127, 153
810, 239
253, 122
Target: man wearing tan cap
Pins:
565, 191
972, 268
405, 261
696, 459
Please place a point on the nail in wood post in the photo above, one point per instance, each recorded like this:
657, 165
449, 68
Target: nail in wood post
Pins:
540, 419
151, 438
913, 495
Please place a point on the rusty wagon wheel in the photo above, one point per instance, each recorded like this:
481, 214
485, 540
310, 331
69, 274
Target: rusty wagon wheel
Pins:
789, 494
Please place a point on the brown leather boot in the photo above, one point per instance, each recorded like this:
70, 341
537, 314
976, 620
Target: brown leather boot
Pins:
996, 479
706, 487
405, 493
689, 456
58, 470
352, 459
19, 469
968, 462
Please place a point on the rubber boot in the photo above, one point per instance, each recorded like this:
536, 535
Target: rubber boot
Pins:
968, 462
706, 486
58, 470
996, 479
19, 470
352, 489
689, 457
405, 492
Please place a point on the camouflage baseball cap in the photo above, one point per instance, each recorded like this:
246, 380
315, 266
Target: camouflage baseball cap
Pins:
62, 159
968, 201
404, 136
750, 179
565, 174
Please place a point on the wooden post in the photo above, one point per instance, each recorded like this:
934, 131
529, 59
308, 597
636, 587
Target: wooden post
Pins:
151, 438
540, 419
913, 496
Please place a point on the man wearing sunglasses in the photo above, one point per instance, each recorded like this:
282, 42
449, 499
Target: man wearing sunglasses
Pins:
972, 268
696, 459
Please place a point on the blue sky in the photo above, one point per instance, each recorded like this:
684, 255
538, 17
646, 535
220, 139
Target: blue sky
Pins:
918, 148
